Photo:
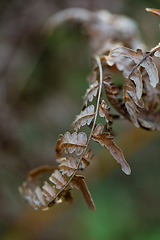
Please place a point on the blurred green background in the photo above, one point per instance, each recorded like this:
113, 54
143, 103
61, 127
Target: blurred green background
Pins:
42, 81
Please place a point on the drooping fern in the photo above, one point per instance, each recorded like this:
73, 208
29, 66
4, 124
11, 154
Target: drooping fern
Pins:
139, 105
66, 173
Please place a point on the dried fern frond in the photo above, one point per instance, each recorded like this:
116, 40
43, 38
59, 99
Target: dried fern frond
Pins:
106, 139
138, 102
58, 179
68, 165
73, 142
79, 183
85, 117
90, 93
113, 96
154, 11
49, 191
39, 171
104, 111
66, 172
135, 87
86, 159
58, 148
140, 59
38, 198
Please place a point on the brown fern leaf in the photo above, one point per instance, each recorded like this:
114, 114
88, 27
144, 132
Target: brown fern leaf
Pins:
150, 95
37, 198
86, 159
39, 171
58, 147
149, 119
91, 92
42, 199
144, 116
133, 88
132, 110
28, 195
74, 142
106, 139
58, 179
68, 166
137, 80
140, 59
119, 63
153, 11
32, 193
49, 191
40, 196
113, 96
131, 100
85, 117
34, 197
79, 183
126, 66
104, 111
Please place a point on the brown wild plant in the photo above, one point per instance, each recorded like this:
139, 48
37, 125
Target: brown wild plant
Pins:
138, 102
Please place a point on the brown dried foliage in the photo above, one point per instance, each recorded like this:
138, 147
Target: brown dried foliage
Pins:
137, 102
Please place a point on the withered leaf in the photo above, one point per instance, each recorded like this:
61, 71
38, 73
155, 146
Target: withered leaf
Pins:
32, 199
137, 79
149, 119
32, 193
40, 196
106, 139
35, 199
39, 171
48, 191
91, 92
147, 62
59, 148
113, 96
122, 64
79, 183
85, 117
59, 180
153, 11
86, 159
68, 166
131, 100
74, 142
131, 91
133, 111
104, 111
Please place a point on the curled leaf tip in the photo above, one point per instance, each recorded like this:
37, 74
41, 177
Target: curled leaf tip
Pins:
153, 11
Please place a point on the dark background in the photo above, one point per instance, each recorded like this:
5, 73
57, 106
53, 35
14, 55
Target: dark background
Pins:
42, 81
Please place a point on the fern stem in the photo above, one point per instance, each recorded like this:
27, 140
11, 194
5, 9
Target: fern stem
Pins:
97, 58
